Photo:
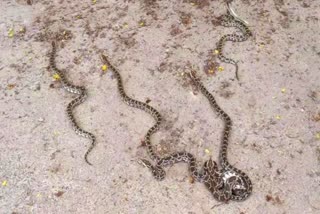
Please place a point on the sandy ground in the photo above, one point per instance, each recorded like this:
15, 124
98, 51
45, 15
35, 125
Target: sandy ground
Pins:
275, 109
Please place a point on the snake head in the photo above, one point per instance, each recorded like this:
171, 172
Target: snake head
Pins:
193, 74
210, 167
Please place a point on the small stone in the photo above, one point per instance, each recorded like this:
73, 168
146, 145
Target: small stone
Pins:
59, 193
141, 23
35, 87
278, 117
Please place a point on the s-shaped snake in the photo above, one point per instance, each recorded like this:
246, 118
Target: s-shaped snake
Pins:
82, 95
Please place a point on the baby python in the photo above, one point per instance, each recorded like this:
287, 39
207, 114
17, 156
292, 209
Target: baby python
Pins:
82, 95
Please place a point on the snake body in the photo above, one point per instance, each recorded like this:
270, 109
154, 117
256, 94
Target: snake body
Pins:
209, 174
240, 183
82, 95
229, 20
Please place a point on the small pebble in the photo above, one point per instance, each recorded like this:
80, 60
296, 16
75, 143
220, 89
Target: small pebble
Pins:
35, 87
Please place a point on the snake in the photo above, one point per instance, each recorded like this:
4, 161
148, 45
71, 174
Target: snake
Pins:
82, 96
240, 183
208, 174
230, 20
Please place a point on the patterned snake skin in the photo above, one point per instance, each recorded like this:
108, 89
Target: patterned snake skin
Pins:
240, 183
209, 175
82, 95
229, 20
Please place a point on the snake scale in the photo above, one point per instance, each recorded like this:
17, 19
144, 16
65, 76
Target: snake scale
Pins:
229, 20
222, 189
82, 95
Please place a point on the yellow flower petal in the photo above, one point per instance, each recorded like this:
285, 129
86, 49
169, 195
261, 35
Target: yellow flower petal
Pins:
22, 30
216, 52
278, 117
141, 23
318, 136
56, 76
220, 68
283, 90
94, 1
210, 71
104, 67
4, 183
11, 33
207, 151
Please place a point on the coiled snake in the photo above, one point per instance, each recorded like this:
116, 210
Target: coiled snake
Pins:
222, 189
82, 95
229, 20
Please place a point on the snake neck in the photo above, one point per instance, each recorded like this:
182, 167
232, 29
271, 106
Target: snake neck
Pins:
147, 141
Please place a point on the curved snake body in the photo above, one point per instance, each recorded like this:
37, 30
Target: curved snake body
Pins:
229, 21
82, 95
239, 182
209, 175
229, 183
